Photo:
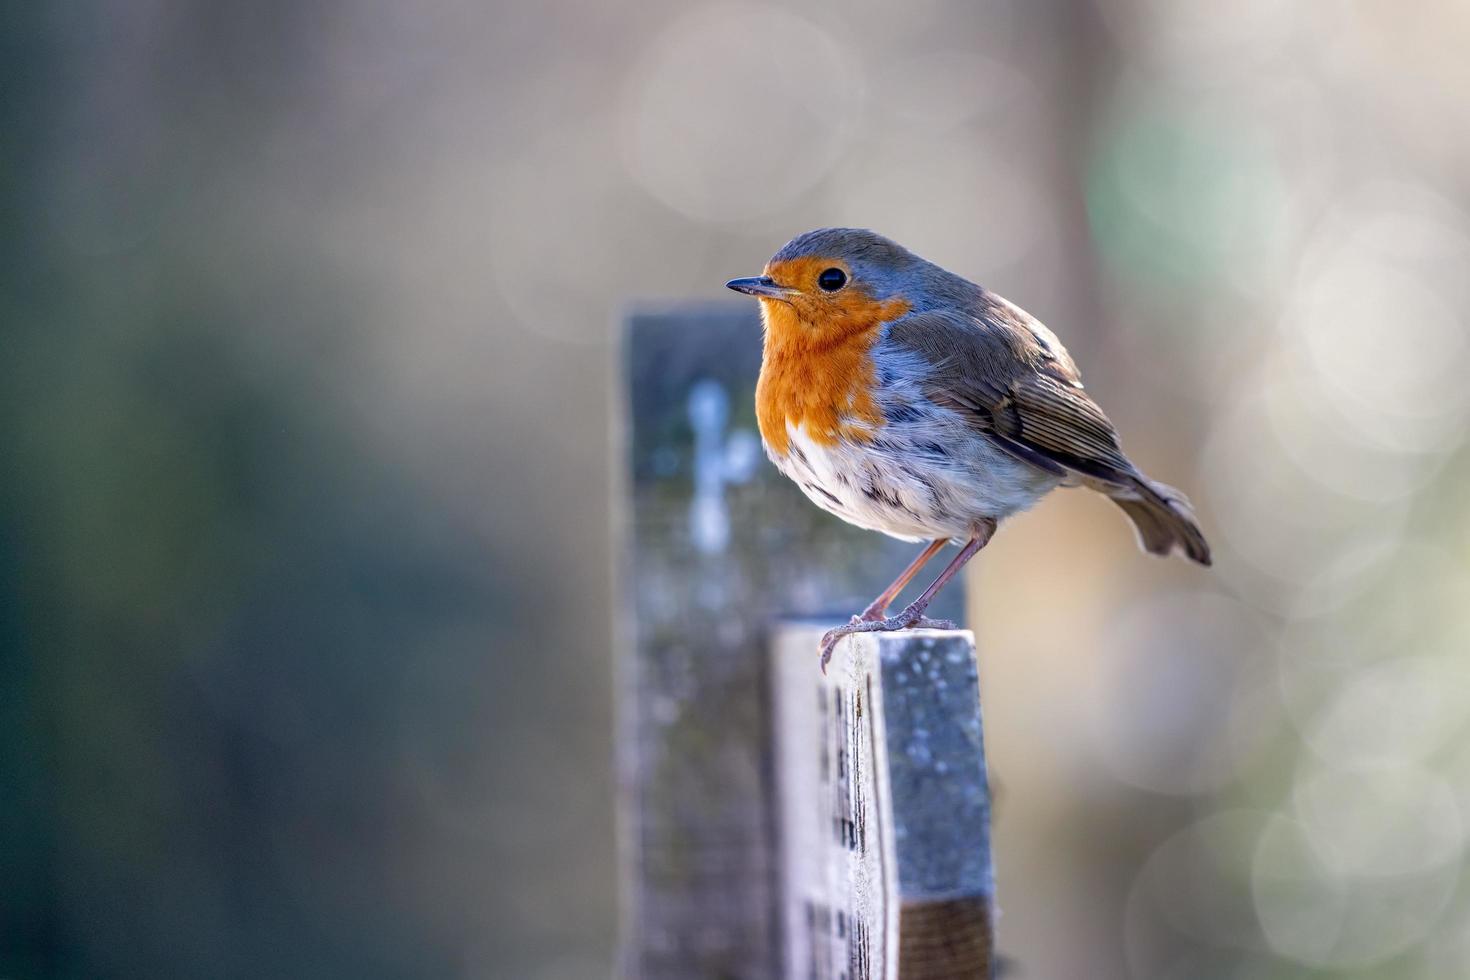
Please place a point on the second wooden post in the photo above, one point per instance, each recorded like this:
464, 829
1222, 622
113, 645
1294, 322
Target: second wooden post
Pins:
883, 810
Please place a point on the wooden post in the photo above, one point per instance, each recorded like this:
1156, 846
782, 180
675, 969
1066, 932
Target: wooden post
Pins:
884, 808
715, 545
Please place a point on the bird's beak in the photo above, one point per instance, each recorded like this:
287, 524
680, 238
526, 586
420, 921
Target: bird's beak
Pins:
762, 286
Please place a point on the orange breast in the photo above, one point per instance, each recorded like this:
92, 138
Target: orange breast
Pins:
818, 371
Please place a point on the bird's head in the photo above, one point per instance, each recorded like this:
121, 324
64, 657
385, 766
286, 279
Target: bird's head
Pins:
833, 282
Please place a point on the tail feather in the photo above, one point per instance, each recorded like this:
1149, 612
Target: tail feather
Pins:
1163, 518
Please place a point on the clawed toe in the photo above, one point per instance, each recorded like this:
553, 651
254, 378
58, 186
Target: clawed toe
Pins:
828, 642
908, 619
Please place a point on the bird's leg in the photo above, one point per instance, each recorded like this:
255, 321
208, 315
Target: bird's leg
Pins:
914, 611
913, 614
878, 609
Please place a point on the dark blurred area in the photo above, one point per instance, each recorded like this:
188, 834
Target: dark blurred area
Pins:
307, 318
304, 649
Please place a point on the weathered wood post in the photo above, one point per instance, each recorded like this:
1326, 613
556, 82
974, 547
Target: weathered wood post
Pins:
884, 808
715, 547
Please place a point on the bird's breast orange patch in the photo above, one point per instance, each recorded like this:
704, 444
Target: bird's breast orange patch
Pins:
818, 370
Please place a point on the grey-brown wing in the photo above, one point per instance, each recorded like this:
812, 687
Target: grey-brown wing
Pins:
1021, 390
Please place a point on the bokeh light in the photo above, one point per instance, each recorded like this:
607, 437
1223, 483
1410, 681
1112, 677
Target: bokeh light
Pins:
738, 108
310, 318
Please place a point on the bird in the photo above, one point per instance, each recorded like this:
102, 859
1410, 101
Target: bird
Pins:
908, 400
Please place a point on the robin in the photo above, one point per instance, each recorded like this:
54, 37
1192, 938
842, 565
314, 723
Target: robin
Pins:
908, 400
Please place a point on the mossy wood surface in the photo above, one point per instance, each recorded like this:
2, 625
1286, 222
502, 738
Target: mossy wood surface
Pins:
884, 816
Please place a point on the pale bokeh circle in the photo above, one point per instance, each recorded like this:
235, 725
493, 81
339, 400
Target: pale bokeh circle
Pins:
1315, 432
1393, 711
1204, 39
1312, 913
1380, 821
1273, 511
560, 249
1197, 885
1373, 667
1175, 664
737, 109
1389, 351
1376, 323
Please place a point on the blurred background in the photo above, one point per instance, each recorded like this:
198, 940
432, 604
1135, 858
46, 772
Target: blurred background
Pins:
307, 320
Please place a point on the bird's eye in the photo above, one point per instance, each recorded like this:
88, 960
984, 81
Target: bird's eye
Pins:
832, 280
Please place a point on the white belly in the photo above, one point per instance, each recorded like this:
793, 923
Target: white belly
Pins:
928, 476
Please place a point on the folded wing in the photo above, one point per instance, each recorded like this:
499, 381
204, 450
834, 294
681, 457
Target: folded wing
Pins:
1011, 378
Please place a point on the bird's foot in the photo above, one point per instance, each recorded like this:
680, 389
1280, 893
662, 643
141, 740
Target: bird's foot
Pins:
911, 618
